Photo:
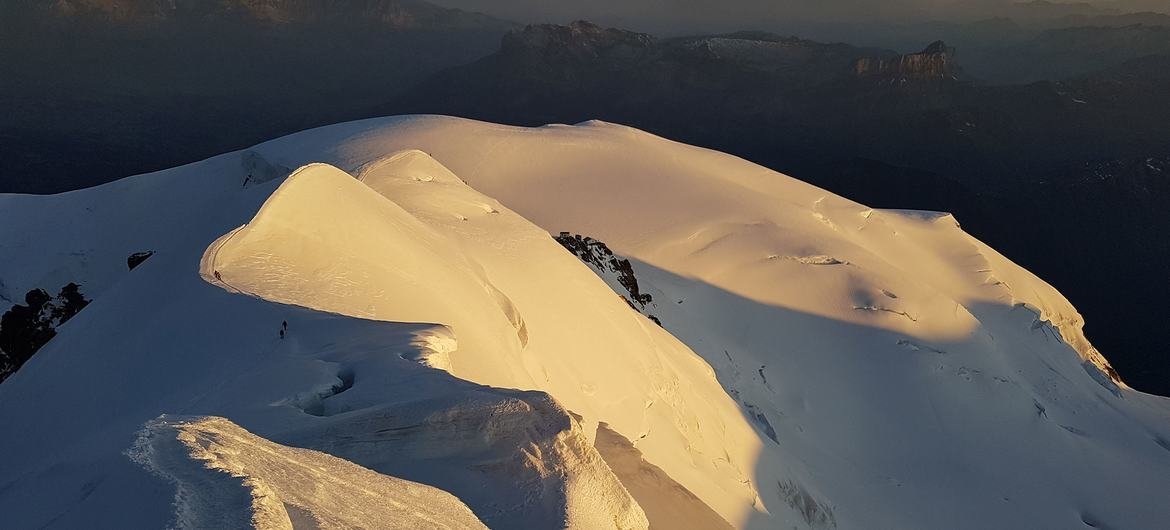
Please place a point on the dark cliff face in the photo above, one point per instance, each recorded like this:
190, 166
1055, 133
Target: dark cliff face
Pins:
579, 40
934, 62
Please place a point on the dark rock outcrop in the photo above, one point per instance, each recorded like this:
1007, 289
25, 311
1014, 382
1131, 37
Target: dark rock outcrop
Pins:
610, 267
25, 328
137, 258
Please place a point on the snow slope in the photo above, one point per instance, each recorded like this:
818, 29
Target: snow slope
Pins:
819, 363
350, 387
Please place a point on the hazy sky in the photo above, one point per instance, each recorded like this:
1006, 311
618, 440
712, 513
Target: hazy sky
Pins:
674, 16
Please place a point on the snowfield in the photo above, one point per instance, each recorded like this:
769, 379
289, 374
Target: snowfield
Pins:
391, 337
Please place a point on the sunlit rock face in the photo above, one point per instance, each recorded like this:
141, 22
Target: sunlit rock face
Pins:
936, 61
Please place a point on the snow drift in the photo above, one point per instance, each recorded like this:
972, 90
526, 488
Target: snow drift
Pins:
812, 362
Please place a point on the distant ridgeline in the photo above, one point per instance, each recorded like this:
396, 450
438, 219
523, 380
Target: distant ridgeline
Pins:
25, 328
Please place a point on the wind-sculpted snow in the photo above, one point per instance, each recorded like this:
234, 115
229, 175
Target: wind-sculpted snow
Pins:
820, 364
229, 478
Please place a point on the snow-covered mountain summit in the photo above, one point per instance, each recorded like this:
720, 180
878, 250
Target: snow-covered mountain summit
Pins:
391, 336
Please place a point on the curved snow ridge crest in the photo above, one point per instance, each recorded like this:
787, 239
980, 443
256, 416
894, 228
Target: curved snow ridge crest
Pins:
1051, 308
315, 211
209, 263
227, 477
414, 164
327, 241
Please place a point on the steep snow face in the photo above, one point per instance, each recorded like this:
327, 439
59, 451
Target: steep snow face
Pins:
820, 364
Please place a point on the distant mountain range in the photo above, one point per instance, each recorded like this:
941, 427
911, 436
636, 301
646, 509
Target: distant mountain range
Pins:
391, 14
118, 87
1071, 51
918, 110
1024, 47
